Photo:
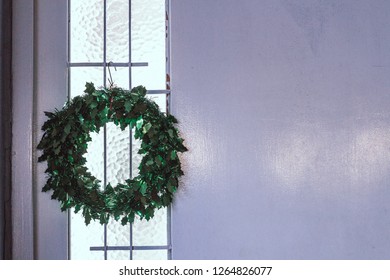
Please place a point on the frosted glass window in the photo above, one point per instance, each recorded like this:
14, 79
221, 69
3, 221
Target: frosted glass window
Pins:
151, 232
128, 41
118, 30
86, 30
80, 75
148, 42
149, 255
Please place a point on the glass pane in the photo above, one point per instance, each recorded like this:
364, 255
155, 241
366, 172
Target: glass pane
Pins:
151, 77
82, 237
118, 235
148, 43
136, 157
118, 151
118, 170
86, 30
150, 255
160, 99
152, 232
118, 255
81, 75
118, 30
95, 156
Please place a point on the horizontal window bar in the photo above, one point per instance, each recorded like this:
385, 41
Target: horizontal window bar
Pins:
158, 91
118, 248
101, 64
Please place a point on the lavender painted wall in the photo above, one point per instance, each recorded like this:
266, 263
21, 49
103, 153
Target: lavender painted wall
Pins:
284, 106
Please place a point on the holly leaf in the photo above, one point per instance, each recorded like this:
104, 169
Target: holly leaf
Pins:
139, 123
93, 104
67, 128
124, 221
146, 127
87, 217
89, 88
158, 160
127, 105
143, 188
50, 115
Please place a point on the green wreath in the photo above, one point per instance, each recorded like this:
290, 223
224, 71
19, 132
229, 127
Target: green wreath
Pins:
65, 141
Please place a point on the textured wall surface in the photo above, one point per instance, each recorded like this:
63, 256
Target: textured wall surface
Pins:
284, 106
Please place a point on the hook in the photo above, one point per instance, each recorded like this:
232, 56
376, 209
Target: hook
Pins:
110, 80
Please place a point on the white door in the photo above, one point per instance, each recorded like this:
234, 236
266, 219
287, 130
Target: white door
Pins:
284, 106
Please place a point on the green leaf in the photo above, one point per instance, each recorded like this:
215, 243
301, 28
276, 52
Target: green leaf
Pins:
50, 115
89, 88
172, 185
146, 127
128, 105
143, 188
77, 208
166, 199
57, 150
139, 124
93, 104
103, 218
171, 189
81, 119
67, 128
135, 96
87, 217
158, 160
94, 113
124, 221
131, 217
139, 90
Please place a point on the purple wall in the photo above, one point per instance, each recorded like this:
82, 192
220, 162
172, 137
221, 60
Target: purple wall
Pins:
284, 106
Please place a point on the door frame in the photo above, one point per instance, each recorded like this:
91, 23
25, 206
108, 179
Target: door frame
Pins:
39, 66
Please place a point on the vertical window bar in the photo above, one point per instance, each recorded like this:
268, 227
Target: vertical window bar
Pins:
68, 50
130, 132
105, 128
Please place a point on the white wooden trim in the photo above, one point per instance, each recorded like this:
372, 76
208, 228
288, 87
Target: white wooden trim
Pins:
39, 84
22, 173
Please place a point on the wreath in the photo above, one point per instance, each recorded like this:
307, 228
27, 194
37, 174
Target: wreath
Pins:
65, 141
